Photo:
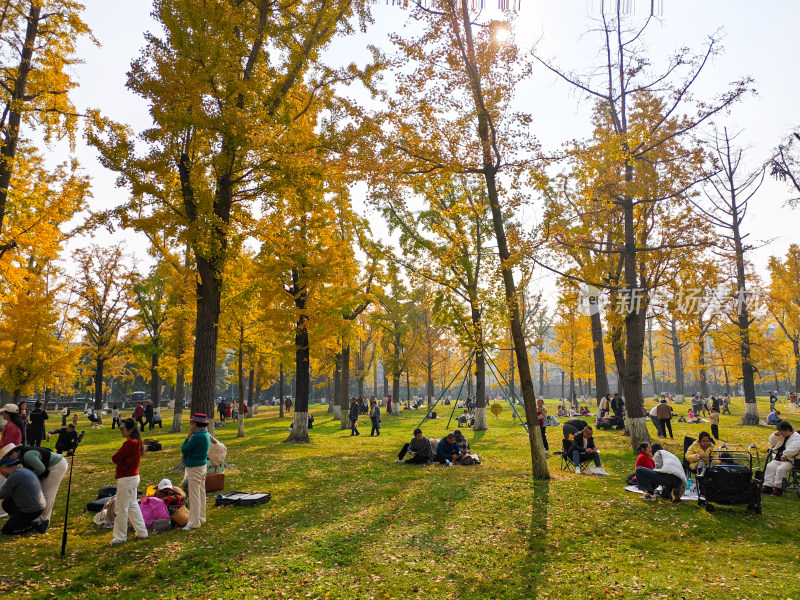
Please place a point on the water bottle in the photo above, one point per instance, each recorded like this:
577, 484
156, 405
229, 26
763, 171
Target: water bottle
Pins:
690, 485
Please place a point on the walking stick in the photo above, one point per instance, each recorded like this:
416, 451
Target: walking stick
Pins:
69, 488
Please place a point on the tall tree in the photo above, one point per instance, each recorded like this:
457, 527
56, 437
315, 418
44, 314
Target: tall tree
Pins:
227, 82
783, 301
104, 312
729, 192
450, 115
647, 164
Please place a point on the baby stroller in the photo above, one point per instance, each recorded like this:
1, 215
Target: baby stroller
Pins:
730, 479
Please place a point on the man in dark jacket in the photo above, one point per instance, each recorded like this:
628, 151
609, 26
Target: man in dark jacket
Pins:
582, 448
447, 452
66, 438
572, 427
354, 411
420, 449
617, 405
148, 414
138, 415
21, 496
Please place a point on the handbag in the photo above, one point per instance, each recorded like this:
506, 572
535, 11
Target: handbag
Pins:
181, 516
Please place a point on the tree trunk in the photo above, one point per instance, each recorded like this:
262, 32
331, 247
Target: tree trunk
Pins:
727, 380
564, 384
701, 363
299, 433
599, 355
280, 391
541, 376
651, 359
204, 367
635, 321
408, 388
675, 341
240, 378
331, 399
396, 392
11, 133
429, 386
344, 399
251, 384
796, 352
98, 384
155, 381
180, 399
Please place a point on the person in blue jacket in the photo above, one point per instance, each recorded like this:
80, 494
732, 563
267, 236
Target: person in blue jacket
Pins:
195, 455
447, 451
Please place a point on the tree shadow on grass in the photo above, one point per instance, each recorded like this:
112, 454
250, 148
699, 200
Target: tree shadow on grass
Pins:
537, 534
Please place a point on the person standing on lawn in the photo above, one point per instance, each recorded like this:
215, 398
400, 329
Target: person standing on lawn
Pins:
375, 417
353, 417
36, 420
664, 415
126, 504
195, 455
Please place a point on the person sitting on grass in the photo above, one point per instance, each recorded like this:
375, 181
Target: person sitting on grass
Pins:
21, 497
774, 417
645, 458
447, 452
667, 473
461, 442
583, 447
785, 445
419, 448
697, 455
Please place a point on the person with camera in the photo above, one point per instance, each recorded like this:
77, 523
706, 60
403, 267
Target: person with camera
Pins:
67, 436
50, 469
21, 496
126, 505
195, 454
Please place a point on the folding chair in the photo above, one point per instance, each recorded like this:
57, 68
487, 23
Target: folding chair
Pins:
791, 483
566, 457
687, 441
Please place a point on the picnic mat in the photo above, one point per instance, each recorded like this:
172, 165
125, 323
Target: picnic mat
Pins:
686, 495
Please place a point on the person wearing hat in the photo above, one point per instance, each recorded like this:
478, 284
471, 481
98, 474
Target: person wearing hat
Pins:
126, 505
21, 496
48, 466
420, 449
195, 455
66, 438
12, 432
173, 497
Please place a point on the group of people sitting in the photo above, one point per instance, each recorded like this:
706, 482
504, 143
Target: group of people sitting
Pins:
450, 450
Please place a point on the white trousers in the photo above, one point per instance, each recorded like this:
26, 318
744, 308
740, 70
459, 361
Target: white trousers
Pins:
775, 471
50, 486
126, 506
197, 495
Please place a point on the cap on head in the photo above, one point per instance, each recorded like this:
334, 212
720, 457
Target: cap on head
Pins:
164, 484
199, 418
10, 408
8, 461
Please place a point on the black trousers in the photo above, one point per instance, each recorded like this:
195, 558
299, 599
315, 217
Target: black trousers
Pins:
18, 522
715, 432
666, 425
544, 437
376, 429
414, 460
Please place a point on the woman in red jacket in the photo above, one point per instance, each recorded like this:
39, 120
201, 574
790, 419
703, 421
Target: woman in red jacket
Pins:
126, 504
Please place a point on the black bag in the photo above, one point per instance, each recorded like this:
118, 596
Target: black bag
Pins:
631, 480
106, 492
152, 445
242, 499
98, 504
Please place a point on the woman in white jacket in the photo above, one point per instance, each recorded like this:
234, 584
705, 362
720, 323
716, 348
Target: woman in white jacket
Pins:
785, 444
668, 474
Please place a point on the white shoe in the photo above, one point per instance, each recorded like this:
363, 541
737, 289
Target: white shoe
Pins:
399, 460
603, 472
187, 528
577, 470
3, 515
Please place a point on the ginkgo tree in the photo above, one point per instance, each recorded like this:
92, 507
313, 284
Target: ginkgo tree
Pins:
227, 83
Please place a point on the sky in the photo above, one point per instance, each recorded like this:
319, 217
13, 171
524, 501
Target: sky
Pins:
760, 40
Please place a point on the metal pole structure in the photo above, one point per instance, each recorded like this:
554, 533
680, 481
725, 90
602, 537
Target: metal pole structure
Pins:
455, 404
495, 372
469, 360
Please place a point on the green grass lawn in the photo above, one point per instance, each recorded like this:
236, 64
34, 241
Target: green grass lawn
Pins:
346, 522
